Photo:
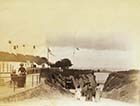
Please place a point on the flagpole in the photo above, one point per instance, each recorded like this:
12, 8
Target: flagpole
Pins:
73, 55
48, 53
74, 49
47, 42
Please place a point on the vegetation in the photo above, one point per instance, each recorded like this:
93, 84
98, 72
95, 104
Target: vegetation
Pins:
64, 63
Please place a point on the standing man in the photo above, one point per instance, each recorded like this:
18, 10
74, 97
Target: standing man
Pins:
13, 78
22, 71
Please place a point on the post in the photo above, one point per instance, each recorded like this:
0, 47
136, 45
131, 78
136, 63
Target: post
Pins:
39, 78
14, 88
32, 80
3, 67
10, 68
0, 67
7, 70
48, 55
73, 56
36, 79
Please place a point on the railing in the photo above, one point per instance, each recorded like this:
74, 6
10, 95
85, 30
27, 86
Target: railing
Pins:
21, 81
35, 79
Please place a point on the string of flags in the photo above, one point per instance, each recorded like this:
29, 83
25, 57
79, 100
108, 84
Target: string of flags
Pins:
17, 46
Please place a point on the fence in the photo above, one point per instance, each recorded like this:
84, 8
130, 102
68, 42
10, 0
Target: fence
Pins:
35, 79
21, 81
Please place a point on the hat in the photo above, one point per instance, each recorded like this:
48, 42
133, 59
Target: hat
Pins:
21, 64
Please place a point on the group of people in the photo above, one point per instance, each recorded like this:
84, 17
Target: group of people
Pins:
90, 92
19, 77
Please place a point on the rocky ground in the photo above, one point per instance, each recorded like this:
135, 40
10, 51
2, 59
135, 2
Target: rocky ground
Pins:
52, 96
120, 89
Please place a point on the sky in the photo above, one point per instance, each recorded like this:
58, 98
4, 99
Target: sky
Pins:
105, 31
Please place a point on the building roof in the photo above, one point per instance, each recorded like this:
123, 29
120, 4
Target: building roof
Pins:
5, 56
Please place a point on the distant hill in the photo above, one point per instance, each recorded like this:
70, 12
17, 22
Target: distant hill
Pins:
5, 56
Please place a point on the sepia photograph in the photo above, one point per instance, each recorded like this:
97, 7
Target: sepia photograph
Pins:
69, 53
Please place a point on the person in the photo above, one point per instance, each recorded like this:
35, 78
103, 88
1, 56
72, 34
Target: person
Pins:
22, 75
98, 93
78, 93
94, 84
22, 70
89, 92
13, 78
84, 89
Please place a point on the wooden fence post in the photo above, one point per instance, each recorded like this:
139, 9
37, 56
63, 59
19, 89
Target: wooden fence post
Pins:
32, 80
3, 67
0, 67
14, 88
7, 70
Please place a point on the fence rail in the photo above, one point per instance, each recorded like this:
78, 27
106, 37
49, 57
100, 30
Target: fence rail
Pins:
18, 81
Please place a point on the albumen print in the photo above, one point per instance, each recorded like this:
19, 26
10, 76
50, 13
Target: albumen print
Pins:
69, 53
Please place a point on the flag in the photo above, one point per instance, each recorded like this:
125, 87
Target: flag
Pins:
34, 47
23, 45
14, 47
50, 52
74, 51
9, 42
77, 49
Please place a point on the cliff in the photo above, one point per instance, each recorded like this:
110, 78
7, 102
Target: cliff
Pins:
123, 85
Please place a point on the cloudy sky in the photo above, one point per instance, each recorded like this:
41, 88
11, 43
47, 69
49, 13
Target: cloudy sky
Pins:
106, 31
